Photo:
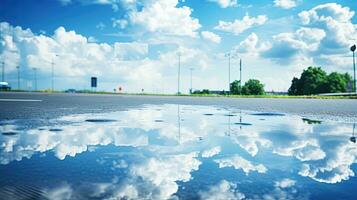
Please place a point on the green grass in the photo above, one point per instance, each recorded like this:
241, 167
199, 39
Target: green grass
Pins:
204, 95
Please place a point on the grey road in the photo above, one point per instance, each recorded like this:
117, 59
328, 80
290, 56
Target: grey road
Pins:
48, 106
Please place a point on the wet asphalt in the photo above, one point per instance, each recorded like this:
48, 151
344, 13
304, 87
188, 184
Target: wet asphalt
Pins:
61, 104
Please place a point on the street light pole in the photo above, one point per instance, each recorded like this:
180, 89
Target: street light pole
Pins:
191, 69
3, 72
353, 49
18, 77
240, 76
229, 73
52, 75
35, 73
178, 75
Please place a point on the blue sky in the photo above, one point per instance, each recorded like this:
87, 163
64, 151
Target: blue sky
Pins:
134, 43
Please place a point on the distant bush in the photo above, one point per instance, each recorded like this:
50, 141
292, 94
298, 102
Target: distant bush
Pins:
204, 91
253, 87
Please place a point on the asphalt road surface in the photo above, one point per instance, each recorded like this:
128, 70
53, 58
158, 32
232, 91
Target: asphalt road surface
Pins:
24, 106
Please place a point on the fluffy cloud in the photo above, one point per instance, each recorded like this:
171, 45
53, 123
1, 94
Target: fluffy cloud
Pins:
335, 20
121, 23
223, 190
326, 33
289, 45
211, 36
163, 173
133, 50
285, 4
150, 178
164, 17
238, 26
81, 57
336, 168
285, 183
226, 3
251, 45
211, 152
238, 162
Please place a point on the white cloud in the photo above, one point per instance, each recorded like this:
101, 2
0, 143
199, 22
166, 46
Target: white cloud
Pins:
120, 23
131, 51
211, 36
211, 152
240, 163
164, 172
81, 57
290, 45
336, 168
100, 26
335, 20
238, 26
251, 46
164, 17
285, 183
285, 4
223, 190
63, 191
226, 3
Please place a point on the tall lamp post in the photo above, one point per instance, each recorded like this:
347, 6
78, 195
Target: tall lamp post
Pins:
353, 49
240, 76
3, 72
191, 69
53, 73
178, 73
18, 77
35, 76
229, 72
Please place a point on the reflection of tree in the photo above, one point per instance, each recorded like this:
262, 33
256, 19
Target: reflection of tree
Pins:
353, 138
179, 123
311, 121
228, 132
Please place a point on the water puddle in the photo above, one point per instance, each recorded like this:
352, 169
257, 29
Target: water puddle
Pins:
232, 154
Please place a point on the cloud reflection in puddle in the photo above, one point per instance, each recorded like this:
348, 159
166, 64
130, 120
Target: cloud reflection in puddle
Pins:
156, 152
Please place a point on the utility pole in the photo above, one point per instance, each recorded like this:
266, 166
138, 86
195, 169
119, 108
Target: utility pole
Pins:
35, 75
3, 72
240, 76
353, 49
52, 75
229, 73
18, 77
179, 123
178, 75
191, 69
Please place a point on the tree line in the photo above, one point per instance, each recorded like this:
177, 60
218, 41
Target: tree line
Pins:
251, 87
313, 80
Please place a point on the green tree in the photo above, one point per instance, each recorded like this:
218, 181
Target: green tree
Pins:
295, 87
253, 87
337, 82
235, 87
314, 80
